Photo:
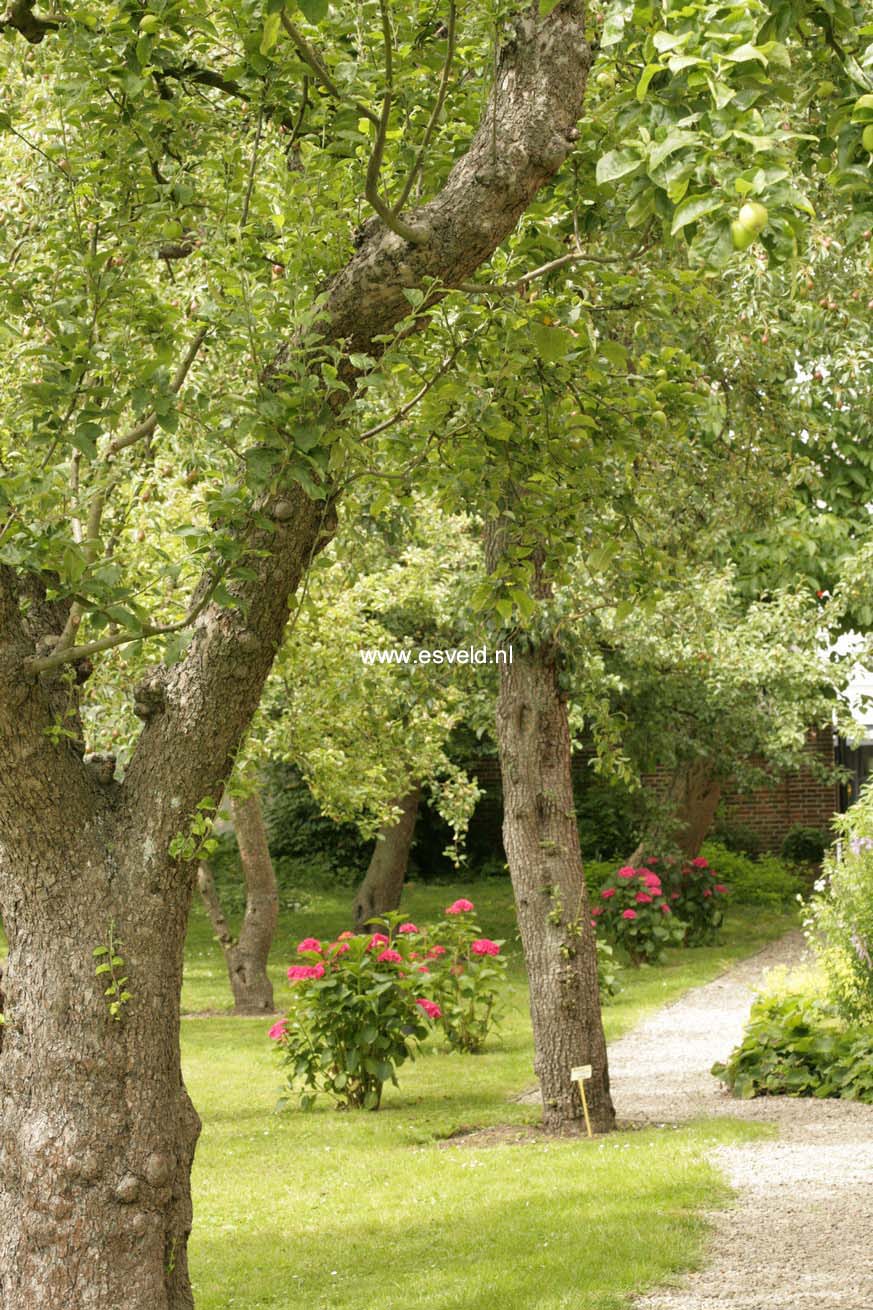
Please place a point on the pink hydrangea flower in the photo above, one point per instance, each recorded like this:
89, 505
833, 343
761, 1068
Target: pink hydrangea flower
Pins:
674, 896
431, 1009
390, 957
665, 909
299, 972
652, 861
720, 887
485, 946
422, 968
339, 948
700, 863
707, 891
344, 936
628, 914
378, 939
598, 909
642, 899
309, 944
435, 952
607, 892
407, 927
627, 872
459, 907
277, 1032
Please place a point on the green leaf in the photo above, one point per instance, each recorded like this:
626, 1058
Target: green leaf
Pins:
692, 209
313, 10
648, 73
616, 164
272, 25
546, 7
100, 950
550, 343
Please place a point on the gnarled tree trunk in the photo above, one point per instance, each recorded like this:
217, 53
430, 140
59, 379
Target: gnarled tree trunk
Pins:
382, 886
545, 863
247, 958
692, 797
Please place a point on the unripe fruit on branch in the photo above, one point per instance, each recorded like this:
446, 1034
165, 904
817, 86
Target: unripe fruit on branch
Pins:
754, 216
867, 138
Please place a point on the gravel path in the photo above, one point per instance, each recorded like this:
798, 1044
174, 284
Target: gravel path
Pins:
800, 1235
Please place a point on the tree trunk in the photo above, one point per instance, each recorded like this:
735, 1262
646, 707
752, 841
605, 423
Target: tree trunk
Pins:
383, 883
545, 864
692, 797
247, 958
97, 1133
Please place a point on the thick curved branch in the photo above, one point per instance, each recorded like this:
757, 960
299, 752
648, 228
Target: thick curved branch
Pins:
211, 694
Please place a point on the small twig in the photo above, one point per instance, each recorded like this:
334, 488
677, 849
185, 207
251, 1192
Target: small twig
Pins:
147, 426
417, 236
310, 56
435, 112
75, 653
410, 404
250, 184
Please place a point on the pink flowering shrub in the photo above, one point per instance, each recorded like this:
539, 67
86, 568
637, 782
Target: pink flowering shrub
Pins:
634, 914
467, 971
697, 895
355, 1016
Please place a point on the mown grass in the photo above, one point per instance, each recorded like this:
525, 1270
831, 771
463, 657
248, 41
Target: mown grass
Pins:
353, 1211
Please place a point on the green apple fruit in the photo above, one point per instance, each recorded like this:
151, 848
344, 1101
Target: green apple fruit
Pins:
741, 236
753, 216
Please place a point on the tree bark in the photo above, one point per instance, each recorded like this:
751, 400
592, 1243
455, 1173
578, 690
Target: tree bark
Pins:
382, 887
247, 958
692, 797
96, 1131
545, 864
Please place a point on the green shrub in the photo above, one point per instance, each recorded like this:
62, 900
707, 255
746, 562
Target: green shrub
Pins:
607, 815
805, 845
696, 895
796, 1044
839, 921
356, 1014
767, 881
736, 837
633, 913
298, 831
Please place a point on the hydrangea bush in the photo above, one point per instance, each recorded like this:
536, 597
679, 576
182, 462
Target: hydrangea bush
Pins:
467, 973
356, 1014
633, 913
697, 896
361, 1004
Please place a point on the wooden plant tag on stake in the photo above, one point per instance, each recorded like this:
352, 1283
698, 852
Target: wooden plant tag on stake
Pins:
580, 1073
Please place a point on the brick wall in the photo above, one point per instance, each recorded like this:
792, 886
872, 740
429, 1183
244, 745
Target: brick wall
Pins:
770, 811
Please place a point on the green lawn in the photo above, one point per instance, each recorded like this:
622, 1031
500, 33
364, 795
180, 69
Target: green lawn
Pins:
353, 1211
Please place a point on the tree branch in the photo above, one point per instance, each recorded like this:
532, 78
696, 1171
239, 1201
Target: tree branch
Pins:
148, 424
212, 692
19, 17
435, 112
310, 56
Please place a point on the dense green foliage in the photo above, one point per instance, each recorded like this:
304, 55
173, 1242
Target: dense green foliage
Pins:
797, 1044
767, 880
635, 914
805, 845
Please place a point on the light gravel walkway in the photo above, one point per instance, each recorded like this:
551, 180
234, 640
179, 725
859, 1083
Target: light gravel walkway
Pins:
800, 1234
